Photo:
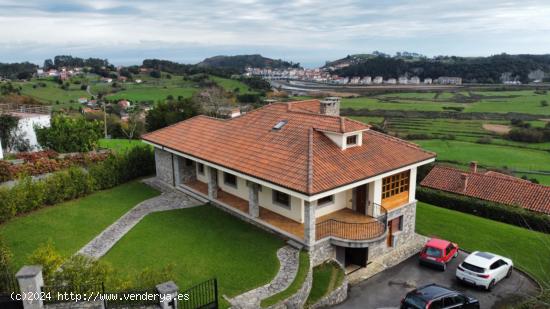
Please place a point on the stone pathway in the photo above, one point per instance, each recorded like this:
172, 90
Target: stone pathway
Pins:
289, 260
108, 238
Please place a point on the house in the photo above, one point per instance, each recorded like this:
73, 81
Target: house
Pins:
297, 169
121, 78
392, 81
415, 80
427, 81
366, 80
82, 100
403, 80
446, 80
124, 104
106, 80
490, 186
378, 80
30, 116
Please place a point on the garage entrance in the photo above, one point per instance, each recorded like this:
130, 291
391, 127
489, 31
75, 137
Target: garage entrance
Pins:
356, 257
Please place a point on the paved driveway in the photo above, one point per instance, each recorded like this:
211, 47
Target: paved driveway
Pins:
386, 289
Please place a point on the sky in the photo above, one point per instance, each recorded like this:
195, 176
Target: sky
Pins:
306, 31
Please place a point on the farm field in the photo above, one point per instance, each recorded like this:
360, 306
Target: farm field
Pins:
232, 85
525, 101
459, 141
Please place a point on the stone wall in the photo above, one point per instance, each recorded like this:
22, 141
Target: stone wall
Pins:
403, 237
337, 296
321, 252
298, 300
163, 164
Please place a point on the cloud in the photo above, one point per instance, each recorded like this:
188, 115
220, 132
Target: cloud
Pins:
309, 31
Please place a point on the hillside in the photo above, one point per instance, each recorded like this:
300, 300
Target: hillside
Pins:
493, 69
240, 62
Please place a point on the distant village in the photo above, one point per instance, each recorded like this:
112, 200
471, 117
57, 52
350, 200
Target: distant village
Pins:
323, 75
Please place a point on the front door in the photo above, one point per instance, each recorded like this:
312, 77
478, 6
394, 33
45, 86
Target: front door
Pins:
361, 199
356, 256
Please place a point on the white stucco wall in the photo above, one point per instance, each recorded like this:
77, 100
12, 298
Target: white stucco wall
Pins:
412, 185
26, 125
341, 200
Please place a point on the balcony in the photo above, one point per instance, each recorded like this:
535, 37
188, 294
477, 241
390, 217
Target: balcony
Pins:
345, 227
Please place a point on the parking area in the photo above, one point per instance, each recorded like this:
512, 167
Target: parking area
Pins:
386, 289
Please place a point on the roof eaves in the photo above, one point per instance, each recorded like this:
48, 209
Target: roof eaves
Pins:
310, 162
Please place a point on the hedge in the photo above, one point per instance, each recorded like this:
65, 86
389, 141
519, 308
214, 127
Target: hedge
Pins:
495, 211
28, 194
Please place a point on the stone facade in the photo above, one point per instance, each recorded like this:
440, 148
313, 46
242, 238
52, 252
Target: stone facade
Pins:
212, 183
184, 170
323, 251
253, 203
403, 237
309, 223
163, 163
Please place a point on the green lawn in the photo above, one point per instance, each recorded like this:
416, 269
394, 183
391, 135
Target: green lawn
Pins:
529, 250
232, 84
201, 243
326, 277
72, 224
148, 93
301, 275
119, 144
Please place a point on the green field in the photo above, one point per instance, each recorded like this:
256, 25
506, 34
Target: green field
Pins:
528, 249
147, 93
525, 101
119, 145
232, 84
72, 224
200, 243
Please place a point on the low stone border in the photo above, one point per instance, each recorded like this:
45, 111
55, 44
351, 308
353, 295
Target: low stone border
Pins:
335, 297
289, 259
299, 298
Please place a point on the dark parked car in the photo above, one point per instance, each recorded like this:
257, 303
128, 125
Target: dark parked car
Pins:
433, 296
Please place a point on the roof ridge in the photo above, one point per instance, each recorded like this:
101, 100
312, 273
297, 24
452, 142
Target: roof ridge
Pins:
310, 161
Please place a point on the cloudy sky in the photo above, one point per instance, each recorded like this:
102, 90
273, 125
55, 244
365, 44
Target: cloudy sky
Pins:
305, 31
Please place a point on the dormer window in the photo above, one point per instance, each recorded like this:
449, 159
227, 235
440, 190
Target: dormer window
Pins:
351, 140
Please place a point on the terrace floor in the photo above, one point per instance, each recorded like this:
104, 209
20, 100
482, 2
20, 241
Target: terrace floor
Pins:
346, 215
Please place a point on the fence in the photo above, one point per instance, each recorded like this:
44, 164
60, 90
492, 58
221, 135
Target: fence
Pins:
9, 285
202, 296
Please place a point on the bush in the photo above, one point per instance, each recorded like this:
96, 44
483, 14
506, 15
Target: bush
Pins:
67, 134
5, 255
494, 211
454, 108
28, 195
526, 135
484, 140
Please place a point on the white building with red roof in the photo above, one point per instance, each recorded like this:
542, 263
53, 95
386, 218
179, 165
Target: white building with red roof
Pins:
298, 169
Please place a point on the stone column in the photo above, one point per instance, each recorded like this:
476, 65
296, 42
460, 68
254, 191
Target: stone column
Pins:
177, 168
212, 183
31, 281
309, 223
169, 293
253, 206
412, 185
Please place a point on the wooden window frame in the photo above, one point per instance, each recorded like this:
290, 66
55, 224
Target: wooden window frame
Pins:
395, 184
200, 168
325, 201
354, 142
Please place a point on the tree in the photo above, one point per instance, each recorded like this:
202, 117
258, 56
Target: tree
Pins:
67, 134
133, 125
170, 112
212, 100
13, 139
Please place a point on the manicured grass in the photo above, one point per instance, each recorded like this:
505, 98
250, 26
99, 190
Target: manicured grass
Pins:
301, 275
200, 243
119, 144
489, 155
529, 250
72, 224
326, 277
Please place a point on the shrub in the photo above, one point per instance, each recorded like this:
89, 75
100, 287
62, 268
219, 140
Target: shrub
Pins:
454, 108
543, 103
419, 136
484, 140
5, 255
495, 211
28, 195
67, 134
49, 258
526, 135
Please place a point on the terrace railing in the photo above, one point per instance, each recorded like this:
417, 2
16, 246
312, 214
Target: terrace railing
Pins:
25, 108
354, 230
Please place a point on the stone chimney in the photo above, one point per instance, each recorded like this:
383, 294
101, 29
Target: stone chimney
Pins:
464, 179
473, 166
330, 106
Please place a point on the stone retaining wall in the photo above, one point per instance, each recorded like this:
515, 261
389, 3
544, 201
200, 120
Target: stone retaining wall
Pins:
322, 252
163, 164
337, 296
299, 298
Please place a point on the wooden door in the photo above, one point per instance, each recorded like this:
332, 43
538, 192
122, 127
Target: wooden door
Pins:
389, 240
361, 199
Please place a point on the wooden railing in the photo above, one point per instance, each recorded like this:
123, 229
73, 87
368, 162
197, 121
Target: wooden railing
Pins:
25, 109
354, 230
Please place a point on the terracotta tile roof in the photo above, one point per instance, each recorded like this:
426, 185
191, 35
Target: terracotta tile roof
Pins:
299, 156
490, 186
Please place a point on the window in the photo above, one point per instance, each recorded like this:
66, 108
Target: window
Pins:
200, 167
397, 224
395, 184
351, 140
188, 162
230, 179
281, 199
327, 200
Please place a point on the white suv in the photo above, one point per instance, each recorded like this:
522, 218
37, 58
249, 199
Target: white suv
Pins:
484, 269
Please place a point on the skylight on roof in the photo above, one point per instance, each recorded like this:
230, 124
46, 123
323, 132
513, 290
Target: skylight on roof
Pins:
279, 125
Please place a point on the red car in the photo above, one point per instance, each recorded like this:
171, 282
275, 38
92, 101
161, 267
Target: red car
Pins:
438, 252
